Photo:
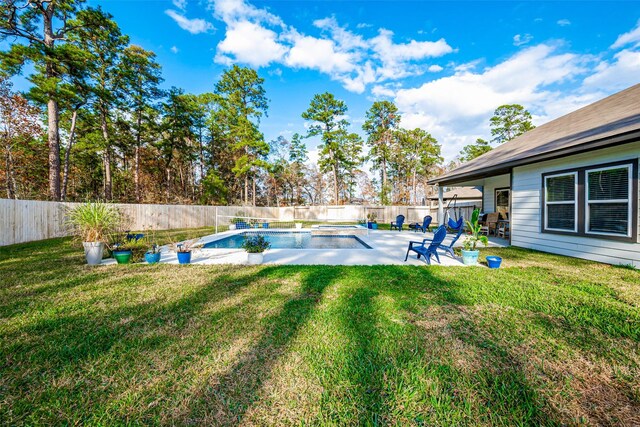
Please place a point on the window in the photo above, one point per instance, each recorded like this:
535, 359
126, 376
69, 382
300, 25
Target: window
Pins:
561, 202
608, 200
597, 201
502, 202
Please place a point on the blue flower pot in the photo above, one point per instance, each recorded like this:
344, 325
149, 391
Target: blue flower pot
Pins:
369, 225
494, 261
470, 257
152, 258
122, 257
184, 257
374, 225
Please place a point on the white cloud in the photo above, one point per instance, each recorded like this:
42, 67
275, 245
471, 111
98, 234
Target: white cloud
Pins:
456, 109
257, 37
382, 91
435, 68
236, 10
321, 54
174, 49
623, 71
251, 44
563, 22
194, 26
180, 4
396, 58
520, 39
632, 36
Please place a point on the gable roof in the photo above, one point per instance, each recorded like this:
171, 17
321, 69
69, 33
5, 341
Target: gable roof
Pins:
611, 121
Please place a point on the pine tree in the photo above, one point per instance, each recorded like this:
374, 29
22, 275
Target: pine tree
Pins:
44, 27
471, 151
510, 121
382, 120
245, 102
326, 114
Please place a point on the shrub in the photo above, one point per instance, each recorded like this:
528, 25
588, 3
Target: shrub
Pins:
94, 221
256, 244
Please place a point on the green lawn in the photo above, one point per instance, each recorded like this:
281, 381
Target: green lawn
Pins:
545, 341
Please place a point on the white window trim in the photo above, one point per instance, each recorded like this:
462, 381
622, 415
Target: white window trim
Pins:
575, 203
587, 202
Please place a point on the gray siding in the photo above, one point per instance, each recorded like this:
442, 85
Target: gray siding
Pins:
526, 211
489, 190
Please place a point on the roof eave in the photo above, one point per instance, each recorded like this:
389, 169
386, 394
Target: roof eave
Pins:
506, 167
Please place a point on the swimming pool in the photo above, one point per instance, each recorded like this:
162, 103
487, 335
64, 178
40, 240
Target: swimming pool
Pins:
291, 240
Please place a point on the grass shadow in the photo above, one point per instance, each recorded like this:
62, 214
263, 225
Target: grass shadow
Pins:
234, 392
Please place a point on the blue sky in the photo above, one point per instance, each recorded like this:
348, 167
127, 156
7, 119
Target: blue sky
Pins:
446, 64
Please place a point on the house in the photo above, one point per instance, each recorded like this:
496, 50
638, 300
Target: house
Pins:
460, 201
570, 186
463, 194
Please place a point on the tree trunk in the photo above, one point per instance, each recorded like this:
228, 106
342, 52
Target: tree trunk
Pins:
108, 183
201, 163
415, 195
168, 171
54, 150
136, 161
10, 179
385, 198
253, 193
53, 137
335, 184
246, 190
67, 155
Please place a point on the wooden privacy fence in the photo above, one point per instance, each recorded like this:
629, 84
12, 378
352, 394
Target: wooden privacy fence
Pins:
29, 220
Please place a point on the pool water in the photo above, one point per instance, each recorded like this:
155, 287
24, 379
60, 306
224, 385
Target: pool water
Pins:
288, 240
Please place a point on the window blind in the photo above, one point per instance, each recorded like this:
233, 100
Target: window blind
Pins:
608, 201
561, 202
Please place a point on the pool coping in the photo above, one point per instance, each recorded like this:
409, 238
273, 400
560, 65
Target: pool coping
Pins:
220, 236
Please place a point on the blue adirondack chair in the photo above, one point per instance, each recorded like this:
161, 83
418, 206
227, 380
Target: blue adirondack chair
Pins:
398, 223
449, 247
134, 236
424, 227
428, 251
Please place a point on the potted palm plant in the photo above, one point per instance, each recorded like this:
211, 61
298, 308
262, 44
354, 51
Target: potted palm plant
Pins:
469, 251
255, 246
93, 222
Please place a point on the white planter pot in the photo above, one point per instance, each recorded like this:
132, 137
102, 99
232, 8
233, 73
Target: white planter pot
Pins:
232, 226
298, 226
255, 258
93, 252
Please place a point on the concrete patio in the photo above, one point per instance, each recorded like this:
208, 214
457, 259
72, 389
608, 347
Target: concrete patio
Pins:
388, 248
